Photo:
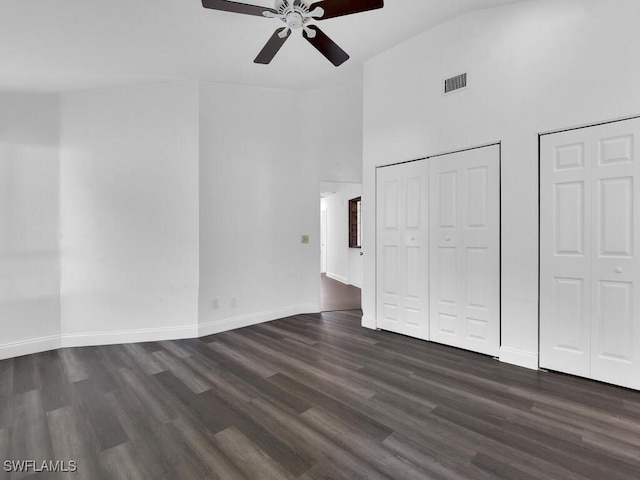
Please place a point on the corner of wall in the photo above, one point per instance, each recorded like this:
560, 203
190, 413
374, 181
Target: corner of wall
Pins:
28, 347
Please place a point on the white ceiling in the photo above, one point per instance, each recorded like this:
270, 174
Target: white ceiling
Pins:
65, 45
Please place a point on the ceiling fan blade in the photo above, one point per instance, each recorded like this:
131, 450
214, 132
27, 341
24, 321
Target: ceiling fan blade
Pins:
228, 6
337, 8
272, 46
326, 46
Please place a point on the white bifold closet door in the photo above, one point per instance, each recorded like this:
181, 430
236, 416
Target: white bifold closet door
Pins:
402, 249
465, 249
589, 253
438, 249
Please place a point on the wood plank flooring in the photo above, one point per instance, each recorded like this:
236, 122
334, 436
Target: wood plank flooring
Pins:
310, 397
336, 296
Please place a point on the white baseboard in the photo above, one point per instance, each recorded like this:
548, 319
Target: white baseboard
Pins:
128, 336
27, 347
369, 321
309, 308
338, 278
519, 357
242, 321
86, 339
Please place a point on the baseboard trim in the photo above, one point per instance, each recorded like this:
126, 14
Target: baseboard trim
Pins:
369, 321
86, 339
338, 278
309, 308
241, 321
519, 357
28, 347
127, 336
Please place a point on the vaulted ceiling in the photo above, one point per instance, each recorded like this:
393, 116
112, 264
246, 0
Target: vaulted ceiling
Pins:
65, 45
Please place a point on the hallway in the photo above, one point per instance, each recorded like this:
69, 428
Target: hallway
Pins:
338, 296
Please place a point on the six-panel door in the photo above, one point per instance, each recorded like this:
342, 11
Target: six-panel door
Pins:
438, 252
590, 221
464, 279
402, 255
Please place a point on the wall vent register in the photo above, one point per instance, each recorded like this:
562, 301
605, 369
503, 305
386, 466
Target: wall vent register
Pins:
455, 83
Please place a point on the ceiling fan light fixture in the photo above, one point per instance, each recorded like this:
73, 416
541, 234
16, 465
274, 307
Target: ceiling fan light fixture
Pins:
309, 32
294, 20
296, 14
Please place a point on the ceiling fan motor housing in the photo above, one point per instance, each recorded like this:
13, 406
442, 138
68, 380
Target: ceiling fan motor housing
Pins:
295, 14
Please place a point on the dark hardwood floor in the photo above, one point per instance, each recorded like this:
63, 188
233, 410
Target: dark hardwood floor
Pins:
310, 397
336, 296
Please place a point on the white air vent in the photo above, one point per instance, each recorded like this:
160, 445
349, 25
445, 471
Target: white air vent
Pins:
455, 83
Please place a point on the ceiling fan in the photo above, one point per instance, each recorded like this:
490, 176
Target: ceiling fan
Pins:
296, 14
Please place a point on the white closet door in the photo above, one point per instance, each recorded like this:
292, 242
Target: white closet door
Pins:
402, 249
615, 298
565, 239
589, 264
465, 250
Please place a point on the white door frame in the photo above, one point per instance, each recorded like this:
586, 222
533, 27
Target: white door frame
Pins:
323, 241
491, 144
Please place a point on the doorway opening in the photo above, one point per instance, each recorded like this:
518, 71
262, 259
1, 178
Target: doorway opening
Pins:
341, 255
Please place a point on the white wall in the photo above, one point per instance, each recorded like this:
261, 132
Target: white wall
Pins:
331, 120
129, 213
533, 67
343, 263
29, 189
159, 192
258, 195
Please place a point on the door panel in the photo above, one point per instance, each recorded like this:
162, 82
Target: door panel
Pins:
569, 311
477, 272
447, 188
569, 217
565, 241
478, 195
402, 254
446, 288
589, 268
615, 266
615, 221
465, 249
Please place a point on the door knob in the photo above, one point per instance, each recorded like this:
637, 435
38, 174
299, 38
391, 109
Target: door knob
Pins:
619, 270
413, 239
448, 239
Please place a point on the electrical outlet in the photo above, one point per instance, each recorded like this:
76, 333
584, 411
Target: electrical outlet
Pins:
304, 239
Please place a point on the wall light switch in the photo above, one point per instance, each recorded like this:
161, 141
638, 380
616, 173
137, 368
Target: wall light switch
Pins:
304, 239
